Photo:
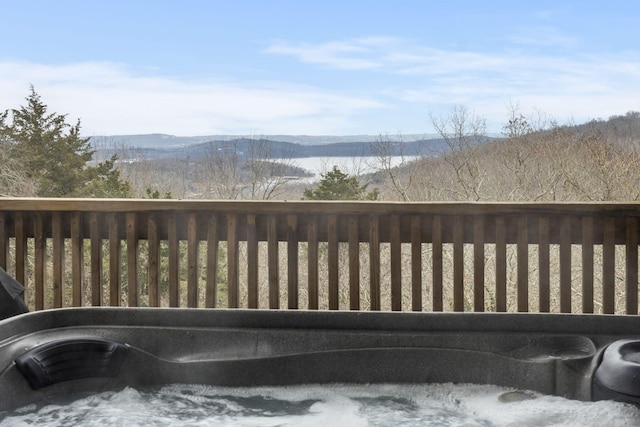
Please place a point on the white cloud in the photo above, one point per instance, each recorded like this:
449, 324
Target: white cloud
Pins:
355, 54
566, 83
544, 36
398, 84
109, 98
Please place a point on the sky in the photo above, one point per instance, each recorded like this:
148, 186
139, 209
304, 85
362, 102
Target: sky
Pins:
329, 67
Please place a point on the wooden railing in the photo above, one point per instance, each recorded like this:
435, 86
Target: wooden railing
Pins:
562, 257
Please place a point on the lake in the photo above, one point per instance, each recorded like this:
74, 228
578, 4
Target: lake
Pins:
353, 166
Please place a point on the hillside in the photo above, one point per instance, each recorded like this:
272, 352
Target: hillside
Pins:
276, 148
162, 141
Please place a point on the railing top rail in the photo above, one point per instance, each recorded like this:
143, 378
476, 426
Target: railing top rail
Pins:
323, 207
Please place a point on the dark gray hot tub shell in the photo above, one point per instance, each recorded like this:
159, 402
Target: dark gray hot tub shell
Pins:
549, 353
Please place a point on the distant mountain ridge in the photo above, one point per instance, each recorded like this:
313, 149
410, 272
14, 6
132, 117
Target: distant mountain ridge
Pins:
158, 140
147, 146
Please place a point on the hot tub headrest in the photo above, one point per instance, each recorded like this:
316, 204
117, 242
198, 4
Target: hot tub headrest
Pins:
71, 359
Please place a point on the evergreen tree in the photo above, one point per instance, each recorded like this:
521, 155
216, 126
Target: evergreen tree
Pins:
337, 185
54, 155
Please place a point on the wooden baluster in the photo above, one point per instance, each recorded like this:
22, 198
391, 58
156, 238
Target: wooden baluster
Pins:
292, 262
212, 262
501, 264
4, 241
522, 248
233, 265
438, 294
174, 260
192, 260
374, 261
396, 263
333, 250
115, 284
252, 262
21, 252
312, 262
58, 259
272, 262
478, 263
458, 264
40, 249
608, 266
77, 259
631, 266
96, 258
133, 252
354, 263
565, 265
416, 263
154, 261
587, 265
544, 272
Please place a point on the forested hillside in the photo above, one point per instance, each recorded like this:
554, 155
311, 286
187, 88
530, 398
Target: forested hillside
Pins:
535, 159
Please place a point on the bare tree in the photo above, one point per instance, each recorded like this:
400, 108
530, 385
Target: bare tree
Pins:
596, 168
246, 169
268, 169
463, 132
222, 170
524, 168
385, 150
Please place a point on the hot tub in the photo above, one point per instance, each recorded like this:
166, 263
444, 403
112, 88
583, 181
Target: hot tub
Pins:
48, 354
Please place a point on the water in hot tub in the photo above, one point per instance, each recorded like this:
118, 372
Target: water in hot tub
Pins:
326, 405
